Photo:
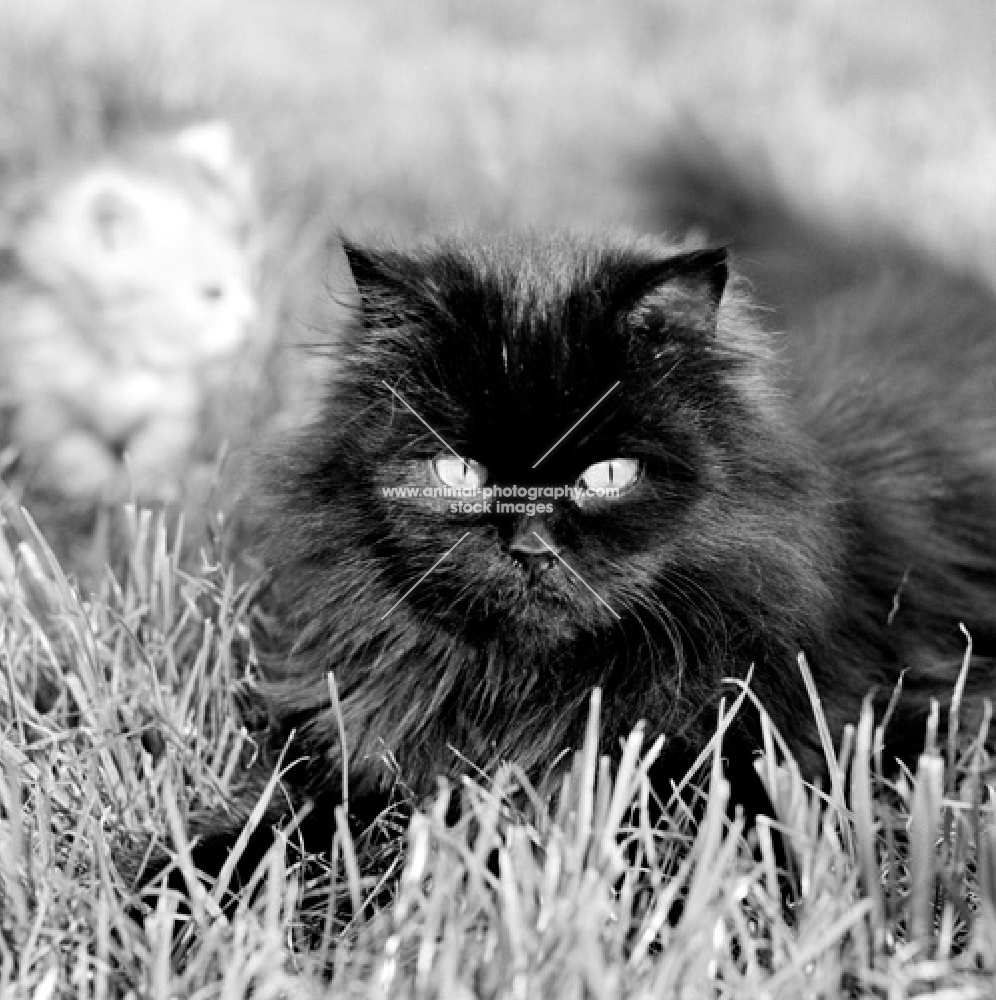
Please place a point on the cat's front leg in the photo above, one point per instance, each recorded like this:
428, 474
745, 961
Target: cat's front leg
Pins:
80, 464
61, 453
158, 452
119, 405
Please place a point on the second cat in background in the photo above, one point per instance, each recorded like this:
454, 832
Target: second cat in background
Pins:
127, 286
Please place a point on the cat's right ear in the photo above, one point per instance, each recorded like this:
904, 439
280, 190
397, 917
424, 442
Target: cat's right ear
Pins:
362, 264
384, 317
379, 286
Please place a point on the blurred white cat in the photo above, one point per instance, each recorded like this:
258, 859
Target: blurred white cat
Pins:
127, 287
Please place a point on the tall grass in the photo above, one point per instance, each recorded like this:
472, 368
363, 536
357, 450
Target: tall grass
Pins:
122, 714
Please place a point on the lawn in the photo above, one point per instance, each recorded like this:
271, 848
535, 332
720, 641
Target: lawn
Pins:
121, 695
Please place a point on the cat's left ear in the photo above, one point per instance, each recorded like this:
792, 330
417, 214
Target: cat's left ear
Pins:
211, 145
686, 288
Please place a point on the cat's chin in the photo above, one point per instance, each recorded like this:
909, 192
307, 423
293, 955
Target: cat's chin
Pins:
549, 594
537, 632
543, 617
530, 618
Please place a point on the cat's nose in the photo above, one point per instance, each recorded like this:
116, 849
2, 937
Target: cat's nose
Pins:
533, 547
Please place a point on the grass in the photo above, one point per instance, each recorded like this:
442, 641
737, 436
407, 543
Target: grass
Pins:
120, 717
122, 699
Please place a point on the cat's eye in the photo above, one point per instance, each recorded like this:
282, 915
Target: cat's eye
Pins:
460, 473
614, 475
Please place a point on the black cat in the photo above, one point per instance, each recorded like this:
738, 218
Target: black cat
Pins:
831, 491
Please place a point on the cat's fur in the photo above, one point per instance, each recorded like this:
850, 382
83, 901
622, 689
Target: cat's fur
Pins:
830, 491
127, 286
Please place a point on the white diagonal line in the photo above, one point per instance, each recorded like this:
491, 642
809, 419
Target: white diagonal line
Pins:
407, 407
427, 572
576, 425
576, 573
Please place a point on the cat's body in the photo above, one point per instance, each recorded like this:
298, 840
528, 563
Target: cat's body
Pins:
888, 364
778, 509
127, 287
831, 491
483, 657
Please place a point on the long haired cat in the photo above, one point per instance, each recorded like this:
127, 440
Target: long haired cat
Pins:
127, 287
728, 499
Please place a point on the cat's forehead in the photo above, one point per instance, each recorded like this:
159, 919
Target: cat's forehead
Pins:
532, 347
535, 276
526, 313
515, 341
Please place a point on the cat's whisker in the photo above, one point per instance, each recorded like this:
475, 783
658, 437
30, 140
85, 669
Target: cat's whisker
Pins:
717, 630
637, 601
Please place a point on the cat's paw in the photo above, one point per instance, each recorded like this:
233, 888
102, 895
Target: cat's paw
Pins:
157, 455
81, 466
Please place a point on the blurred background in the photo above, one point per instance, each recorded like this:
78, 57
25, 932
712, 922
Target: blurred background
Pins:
393, 119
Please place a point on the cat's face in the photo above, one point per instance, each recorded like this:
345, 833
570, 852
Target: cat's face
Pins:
161, 274
538, 368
